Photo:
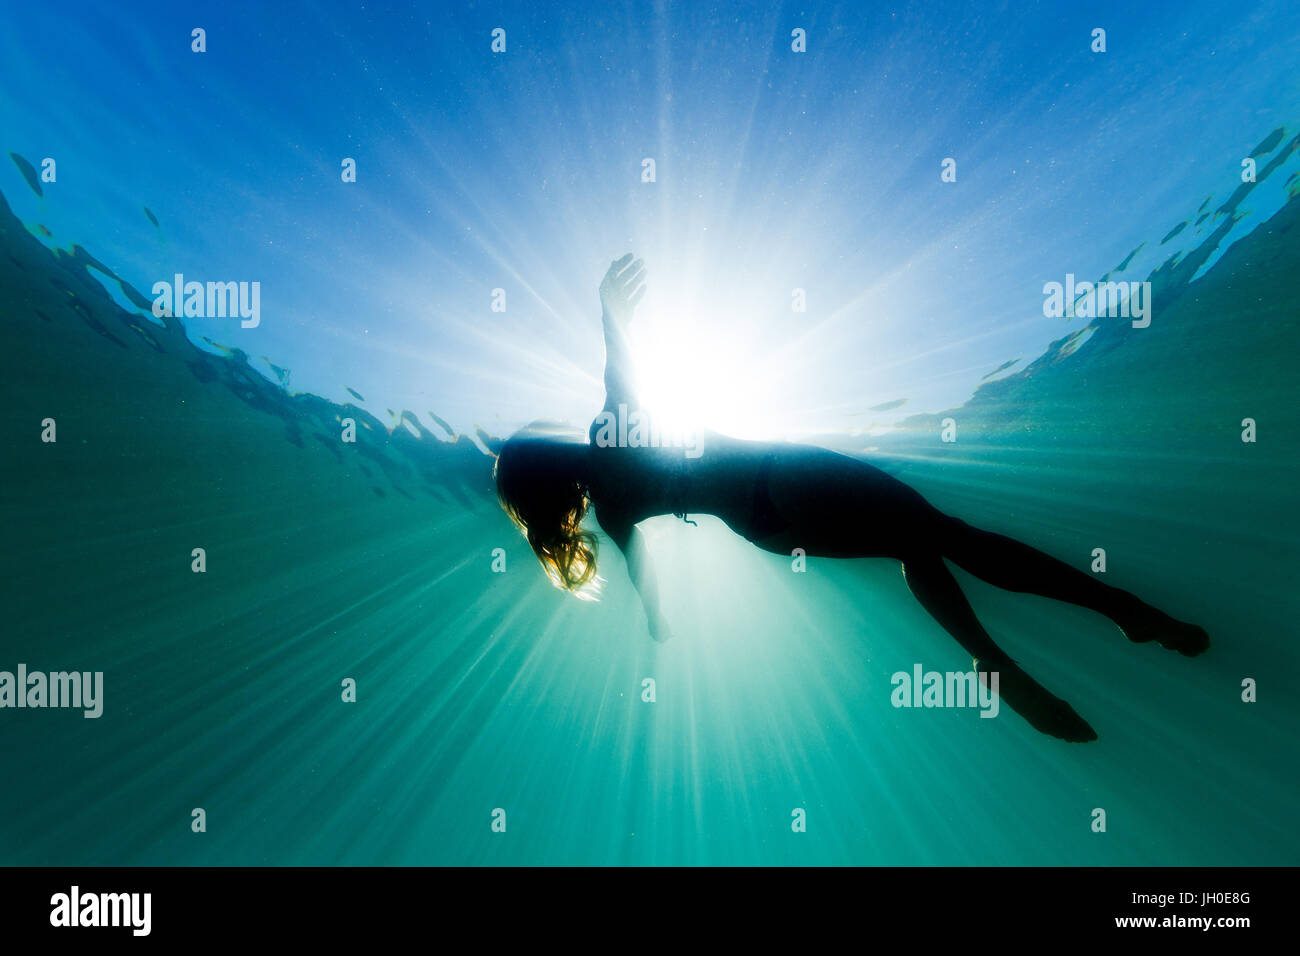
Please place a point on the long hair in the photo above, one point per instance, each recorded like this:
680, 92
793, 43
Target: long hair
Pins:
545, 496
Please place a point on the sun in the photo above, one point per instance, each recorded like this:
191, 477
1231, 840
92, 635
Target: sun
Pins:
693, 376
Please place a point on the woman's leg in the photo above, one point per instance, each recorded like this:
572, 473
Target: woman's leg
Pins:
939, 593
1014, 566
834, 506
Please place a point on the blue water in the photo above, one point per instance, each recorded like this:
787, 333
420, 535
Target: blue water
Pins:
522, 171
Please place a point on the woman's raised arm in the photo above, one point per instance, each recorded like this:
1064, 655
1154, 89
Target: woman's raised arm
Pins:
620, 291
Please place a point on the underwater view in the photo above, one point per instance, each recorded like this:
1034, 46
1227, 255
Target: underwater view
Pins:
278, 285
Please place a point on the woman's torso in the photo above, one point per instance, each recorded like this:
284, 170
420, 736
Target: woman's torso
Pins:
714, 474
760, 489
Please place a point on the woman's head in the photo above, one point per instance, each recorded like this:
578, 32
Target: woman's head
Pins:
540, 484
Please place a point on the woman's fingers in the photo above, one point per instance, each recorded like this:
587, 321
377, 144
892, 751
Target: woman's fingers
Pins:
630, 271
611, 279
625, 279
618, 268
631, 279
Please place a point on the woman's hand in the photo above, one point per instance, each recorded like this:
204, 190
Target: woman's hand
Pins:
622, 288
658, 625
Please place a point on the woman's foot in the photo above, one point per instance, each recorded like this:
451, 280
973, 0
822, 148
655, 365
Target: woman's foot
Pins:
1142, 624
1044, 711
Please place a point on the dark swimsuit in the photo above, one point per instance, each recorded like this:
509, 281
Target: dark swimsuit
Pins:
764, 519
681, 489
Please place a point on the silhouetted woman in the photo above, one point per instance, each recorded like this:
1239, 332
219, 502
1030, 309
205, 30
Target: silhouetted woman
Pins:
782, 497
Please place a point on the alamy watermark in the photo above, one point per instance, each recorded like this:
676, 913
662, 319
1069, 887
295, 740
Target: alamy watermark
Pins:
1094, 300
76, 908
922, 688
56, 689
636, 429
213, 300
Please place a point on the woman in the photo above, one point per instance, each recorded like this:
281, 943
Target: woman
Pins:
782, 497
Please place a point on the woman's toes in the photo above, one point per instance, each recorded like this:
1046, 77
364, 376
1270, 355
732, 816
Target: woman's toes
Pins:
1193, 640
1156, 626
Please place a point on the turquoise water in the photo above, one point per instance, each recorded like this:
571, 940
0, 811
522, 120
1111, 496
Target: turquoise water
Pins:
387, 562
480, 690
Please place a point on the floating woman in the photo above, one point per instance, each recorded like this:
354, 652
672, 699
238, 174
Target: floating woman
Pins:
781, 497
